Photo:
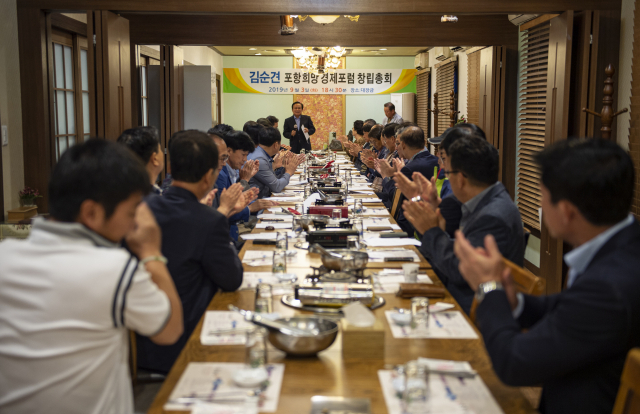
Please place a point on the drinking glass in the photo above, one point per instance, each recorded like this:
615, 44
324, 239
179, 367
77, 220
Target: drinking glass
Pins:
419, 312
264, 298
410, 272
307, 191
303, 151
336, 213
299, 207
358, 226
282, 242
358, 207
279, 261
297, 225
256, 348
345, 189
415, 397
353, 242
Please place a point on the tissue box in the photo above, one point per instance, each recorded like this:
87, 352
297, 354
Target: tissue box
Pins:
363, 343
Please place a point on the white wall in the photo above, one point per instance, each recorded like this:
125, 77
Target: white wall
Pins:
624, 71
204, 56
10, 106
197, 97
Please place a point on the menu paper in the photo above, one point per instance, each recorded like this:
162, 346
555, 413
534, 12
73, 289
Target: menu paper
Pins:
206, 379
443, 325
224, 322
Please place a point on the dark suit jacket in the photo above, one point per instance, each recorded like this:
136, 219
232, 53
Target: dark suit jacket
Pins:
425, 164
201, 259
578, 339
298, 141
495, 214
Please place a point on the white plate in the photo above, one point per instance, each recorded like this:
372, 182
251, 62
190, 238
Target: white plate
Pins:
401, 319
250, 377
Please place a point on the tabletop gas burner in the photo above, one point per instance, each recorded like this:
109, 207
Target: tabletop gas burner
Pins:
330, 202
322, 274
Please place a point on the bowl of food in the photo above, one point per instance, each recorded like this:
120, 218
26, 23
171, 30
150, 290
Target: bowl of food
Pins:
322, 333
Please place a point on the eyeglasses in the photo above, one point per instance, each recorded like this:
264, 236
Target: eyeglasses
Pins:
224, 157
446, 173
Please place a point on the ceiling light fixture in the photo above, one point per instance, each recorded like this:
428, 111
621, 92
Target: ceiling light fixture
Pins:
287, 27
327, 19
258, 54
319, 60
449, 18
252, 48
383, 49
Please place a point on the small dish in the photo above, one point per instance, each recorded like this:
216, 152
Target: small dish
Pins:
286, 277
250, 377
401, 318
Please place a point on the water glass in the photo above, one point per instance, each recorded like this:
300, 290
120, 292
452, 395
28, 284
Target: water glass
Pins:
353, 242
299, 207
337, 170
336, 213
264, 298
358, 207
297, 225
415, 397
279, 261
256, 348
344, 187
303, 151
410, 272
419, 312
307, 191
282, 241
358, 226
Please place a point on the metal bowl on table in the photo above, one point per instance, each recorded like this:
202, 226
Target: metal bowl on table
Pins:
308, 219
339, 259
305, 345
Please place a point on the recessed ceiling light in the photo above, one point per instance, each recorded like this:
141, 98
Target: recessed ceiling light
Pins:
258, 54
252, 48
383, 49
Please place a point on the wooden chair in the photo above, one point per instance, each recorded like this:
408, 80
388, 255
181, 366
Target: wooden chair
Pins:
525, 281
396, 203
628, 399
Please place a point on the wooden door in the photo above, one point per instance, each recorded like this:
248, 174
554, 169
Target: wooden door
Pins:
111, 61
485, 119
556, 128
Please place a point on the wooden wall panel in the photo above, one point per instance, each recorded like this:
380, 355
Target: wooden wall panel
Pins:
117, 74
634, 125
423, 98
261, 30
487, 98
558, 84
34, 87
278, 7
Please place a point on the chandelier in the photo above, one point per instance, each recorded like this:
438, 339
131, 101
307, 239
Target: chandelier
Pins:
318, 60
326, 19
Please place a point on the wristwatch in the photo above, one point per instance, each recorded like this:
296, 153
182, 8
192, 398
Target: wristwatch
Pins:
486, 287
416, 198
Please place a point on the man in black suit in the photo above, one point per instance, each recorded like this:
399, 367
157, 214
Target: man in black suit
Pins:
577, 340
472, 168
195, 240
295, 126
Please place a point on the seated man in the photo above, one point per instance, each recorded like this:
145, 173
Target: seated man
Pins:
378, 151
145, 142
472, 168
195, 239
267, 180
577, 340
411, 140
70, 293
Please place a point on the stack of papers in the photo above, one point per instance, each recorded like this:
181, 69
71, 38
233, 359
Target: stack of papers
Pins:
380, 255
206, 381
278, 287
276, 225
376, 222
294, 199
224, 328
351, 200
388, 280
444, 325
391, 242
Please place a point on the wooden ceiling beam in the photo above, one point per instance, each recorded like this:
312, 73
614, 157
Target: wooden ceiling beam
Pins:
327, 6
372, 30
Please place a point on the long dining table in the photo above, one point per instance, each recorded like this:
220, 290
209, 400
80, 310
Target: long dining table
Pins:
328, 373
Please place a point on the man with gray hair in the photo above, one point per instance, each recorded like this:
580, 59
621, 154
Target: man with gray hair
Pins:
390, 115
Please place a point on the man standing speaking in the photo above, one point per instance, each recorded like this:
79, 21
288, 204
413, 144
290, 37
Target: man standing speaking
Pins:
299, 128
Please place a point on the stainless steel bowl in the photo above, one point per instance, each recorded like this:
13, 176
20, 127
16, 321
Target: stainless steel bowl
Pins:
307, 219
354, 259
305, 345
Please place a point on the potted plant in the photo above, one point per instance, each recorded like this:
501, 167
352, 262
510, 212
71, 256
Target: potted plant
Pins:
28, 197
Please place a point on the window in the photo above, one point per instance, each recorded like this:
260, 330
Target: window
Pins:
70, 91
423, 95
473, 88
446, 81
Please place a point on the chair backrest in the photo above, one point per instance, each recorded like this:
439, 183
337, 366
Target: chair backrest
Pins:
628, 399
525, 281
396, 203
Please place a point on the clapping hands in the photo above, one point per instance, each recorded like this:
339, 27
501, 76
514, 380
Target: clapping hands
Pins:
249, 169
